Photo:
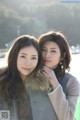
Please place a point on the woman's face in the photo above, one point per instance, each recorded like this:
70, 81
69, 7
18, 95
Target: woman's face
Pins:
27, 60
51, 54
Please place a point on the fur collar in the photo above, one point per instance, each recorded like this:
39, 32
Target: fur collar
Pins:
39, 82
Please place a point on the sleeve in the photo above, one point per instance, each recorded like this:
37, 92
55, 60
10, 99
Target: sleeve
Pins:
65, 106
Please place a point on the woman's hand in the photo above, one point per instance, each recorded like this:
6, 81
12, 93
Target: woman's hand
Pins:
49, 73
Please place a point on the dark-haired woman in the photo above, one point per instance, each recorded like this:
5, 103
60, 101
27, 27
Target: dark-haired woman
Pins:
23, 90
65, 89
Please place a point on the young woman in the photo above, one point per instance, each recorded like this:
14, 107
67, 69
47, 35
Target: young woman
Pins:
23, 89
64, 90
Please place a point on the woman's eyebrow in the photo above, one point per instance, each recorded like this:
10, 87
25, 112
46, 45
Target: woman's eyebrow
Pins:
46, 48
26, 54
23, 53
52, 48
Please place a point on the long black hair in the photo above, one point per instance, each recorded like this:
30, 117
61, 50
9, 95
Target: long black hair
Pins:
11, 84
10, 81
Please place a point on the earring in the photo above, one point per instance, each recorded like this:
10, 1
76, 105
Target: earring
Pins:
61, 64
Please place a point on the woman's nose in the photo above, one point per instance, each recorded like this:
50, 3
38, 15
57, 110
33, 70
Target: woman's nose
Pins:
47, 54
28, 62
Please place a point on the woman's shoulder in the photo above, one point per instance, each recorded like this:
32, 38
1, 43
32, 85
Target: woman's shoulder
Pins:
3, 70
71, 77
73, 84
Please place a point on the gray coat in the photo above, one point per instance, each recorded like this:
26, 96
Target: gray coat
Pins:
50, 106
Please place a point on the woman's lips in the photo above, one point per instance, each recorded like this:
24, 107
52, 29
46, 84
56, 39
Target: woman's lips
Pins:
26, 69
47, 61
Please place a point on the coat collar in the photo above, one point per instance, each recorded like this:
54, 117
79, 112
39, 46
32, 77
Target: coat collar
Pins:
39, 82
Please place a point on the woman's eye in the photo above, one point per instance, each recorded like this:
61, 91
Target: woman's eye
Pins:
34, 58
53, 51
22, 56
43, 50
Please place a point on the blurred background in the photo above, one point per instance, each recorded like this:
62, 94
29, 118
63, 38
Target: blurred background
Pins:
35, 17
